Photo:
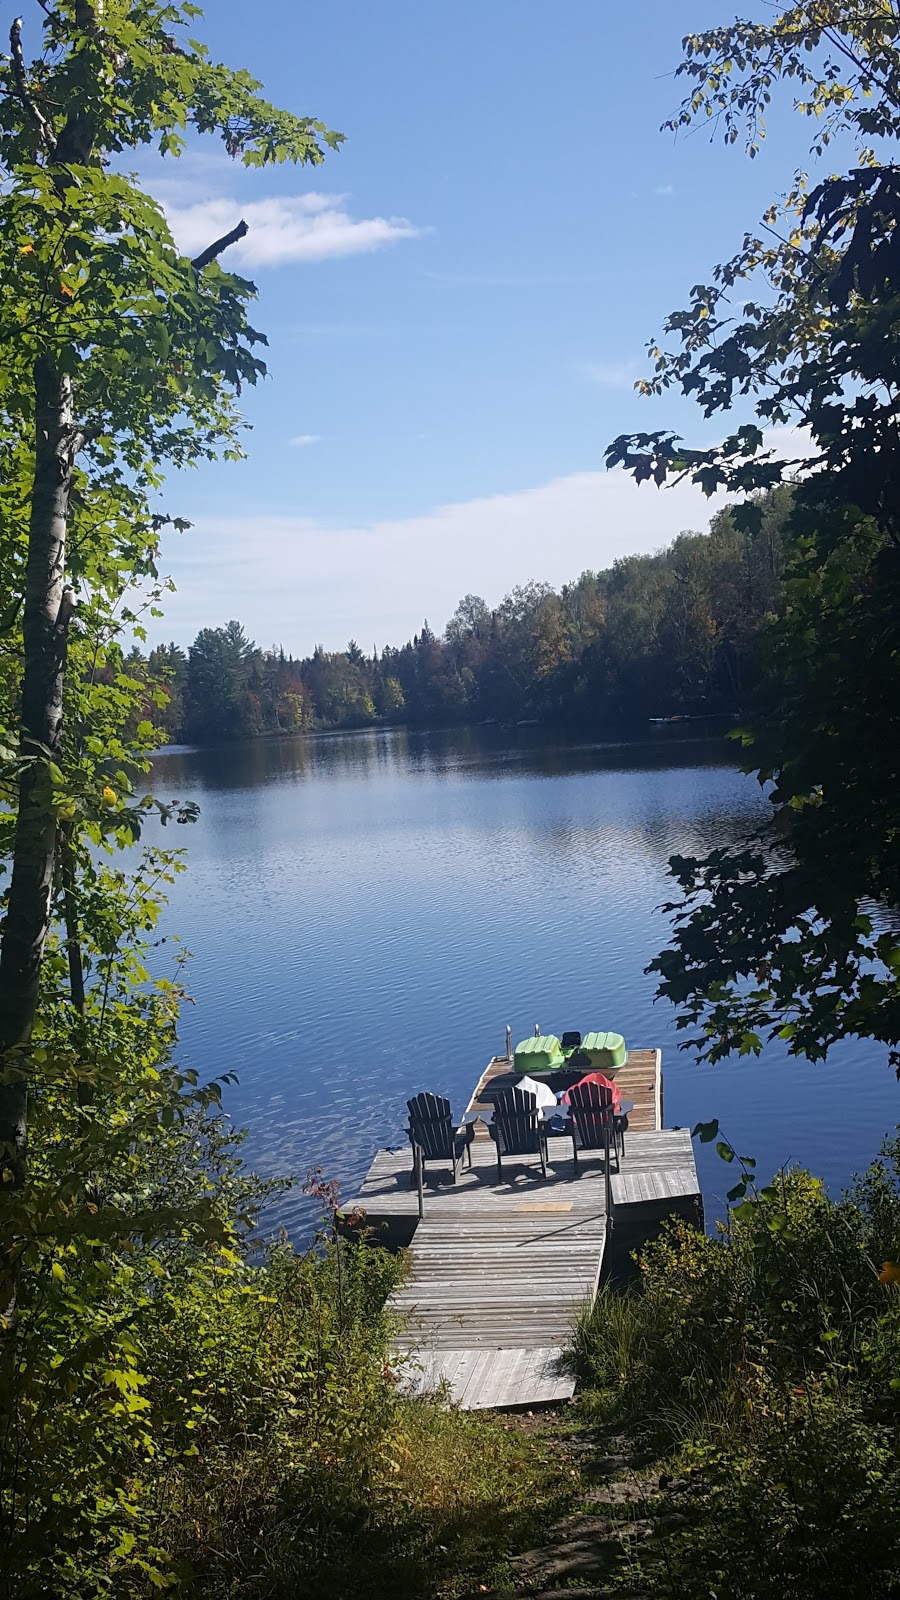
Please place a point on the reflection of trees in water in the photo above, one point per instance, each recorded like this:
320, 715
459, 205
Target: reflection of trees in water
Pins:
251, 763
489, 753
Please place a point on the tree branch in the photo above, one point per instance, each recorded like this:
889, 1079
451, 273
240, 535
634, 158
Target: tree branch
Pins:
44, 128
213, 250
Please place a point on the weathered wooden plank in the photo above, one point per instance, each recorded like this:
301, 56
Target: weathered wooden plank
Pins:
472, 1363
417, 1312
481, 1380
504, 1296
477, 1394
490, 1387
479, 1316
542, 1380
504, 1305
518, 1364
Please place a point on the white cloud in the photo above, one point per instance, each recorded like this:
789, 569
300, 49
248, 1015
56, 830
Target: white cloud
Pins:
304, 227
305, 438
304, 582
664, 188
301, 581
611, 374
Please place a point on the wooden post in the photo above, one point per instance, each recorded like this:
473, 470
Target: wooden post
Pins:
607, 1176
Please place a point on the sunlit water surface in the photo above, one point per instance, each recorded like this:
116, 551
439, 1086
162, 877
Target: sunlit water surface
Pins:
366, 912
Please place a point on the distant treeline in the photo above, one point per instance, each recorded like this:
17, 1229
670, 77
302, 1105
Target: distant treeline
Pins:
660, 635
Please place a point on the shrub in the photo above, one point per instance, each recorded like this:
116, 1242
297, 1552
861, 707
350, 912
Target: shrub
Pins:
767, 1361
803, 1507
292, 1401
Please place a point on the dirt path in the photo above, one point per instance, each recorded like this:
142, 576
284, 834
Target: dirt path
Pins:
621, 1510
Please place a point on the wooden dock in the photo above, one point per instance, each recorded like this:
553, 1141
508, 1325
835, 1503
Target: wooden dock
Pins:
499, 1270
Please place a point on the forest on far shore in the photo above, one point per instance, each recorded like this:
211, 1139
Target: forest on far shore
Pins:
673, 633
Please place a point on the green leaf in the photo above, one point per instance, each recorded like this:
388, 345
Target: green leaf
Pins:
706, 1132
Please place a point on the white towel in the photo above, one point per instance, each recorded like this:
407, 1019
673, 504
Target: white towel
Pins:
542, 1092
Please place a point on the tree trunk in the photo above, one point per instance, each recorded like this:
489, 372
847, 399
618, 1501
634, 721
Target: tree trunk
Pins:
45, 625
66, 851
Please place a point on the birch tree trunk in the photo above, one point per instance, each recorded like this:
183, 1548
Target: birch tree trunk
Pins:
45, 624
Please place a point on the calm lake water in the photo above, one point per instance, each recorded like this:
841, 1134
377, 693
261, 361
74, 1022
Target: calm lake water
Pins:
367, 911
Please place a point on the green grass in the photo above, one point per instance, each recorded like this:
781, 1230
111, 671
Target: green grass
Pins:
449, 1497
455, 1495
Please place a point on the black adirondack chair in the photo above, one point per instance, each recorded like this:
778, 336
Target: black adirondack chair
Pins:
433, 1131
517, 1128
594, 1122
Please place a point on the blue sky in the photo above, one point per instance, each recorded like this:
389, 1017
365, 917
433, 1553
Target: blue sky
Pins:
457, 305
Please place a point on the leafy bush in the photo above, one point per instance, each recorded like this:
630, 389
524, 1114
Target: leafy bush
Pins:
802, 1504
767, 1363
291, 1404
171, 1389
